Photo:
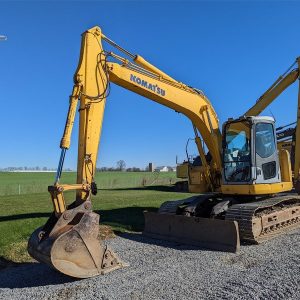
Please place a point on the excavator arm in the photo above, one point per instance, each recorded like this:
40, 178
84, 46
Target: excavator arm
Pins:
92, 82
69, 240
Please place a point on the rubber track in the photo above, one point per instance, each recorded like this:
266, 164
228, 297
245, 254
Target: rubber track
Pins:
246, 212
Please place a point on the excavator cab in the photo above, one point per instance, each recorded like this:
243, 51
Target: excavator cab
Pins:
250, 151
251, 162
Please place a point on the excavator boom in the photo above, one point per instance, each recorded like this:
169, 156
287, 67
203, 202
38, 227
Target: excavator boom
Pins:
69, 241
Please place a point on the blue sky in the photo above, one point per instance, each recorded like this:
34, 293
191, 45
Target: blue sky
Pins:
232, 51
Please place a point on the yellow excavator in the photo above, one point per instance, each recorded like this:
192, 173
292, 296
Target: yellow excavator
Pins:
246, 183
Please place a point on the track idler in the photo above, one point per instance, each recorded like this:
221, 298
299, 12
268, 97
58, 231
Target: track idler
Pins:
73, 246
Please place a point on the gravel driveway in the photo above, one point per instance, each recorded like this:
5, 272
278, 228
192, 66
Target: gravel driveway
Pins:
165, 270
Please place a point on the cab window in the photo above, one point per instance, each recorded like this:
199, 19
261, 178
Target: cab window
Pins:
265, 140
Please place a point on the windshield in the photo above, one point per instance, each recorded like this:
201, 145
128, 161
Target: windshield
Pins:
236, 152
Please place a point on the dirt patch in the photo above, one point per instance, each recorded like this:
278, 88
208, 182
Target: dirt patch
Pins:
14, 255
242, 260
69, 293
17, 252
106, 232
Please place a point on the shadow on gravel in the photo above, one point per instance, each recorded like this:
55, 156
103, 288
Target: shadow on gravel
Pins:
138, 237
130, 218
30, 275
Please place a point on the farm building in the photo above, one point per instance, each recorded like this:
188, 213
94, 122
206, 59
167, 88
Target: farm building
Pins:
165, 169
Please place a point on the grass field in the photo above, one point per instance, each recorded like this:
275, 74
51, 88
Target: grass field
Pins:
121, 199
13, 183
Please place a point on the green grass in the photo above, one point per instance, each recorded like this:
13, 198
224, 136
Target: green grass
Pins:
11, 183
121, 200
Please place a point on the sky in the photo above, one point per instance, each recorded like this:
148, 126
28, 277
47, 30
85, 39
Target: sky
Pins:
233, 51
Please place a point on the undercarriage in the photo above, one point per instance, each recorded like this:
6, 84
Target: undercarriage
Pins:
219, 223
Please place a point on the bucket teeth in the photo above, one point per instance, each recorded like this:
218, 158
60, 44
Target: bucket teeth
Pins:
73, 246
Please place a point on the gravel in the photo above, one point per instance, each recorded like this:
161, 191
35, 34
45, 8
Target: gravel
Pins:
165, 270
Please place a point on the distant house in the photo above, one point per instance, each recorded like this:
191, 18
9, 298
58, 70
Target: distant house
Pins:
165, 169
161, 169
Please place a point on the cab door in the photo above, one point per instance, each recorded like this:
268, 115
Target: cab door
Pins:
266, 155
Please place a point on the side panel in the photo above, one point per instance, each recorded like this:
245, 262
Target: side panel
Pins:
197, 180
256, 189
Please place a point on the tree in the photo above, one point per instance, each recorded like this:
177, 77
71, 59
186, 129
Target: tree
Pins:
121, 165
135, 169
102, 169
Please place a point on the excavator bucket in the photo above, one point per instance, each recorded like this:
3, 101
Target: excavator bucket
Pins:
221, 235
73, 246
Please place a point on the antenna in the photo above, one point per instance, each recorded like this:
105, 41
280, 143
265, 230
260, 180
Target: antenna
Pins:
272, 115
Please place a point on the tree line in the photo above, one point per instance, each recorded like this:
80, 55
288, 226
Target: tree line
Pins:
121, 166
